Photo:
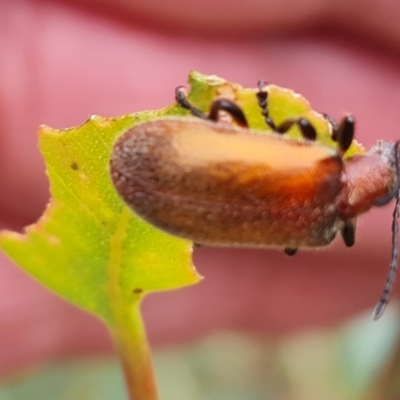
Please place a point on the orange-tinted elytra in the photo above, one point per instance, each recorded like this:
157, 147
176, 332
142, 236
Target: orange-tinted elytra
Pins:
227, 185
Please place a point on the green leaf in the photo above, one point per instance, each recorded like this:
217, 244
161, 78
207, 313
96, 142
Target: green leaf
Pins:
88, 247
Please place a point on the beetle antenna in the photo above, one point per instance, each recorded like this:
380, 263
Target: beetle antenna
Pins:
383, 301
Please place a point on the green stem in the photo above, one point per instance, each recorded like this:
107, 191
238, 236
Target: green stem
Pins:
135, 355
127, 325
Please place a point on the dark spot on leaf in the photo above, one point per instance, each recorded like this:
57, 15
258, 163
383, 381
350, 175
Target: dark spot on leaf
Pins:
74, 165
137, 290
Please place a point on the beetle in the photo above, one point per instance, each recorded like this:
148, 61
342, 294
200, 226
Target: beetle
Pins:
224, 184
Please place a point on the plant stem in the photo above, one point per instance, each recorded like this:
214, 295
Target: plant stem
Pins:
135, 355
127, 325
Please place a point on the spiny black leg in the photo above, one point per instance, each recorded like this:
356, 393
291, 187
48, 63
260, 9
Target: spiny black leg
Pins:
306, 128
218, 105
181, 99
231, 108
344, 133
348, 232
289, 251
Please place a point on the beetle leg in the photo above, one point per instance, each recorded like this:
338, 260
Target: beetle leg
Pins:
217, 105
305, 126
344, 133
181, 99
231, 108
289, 251
262, 98
348, 232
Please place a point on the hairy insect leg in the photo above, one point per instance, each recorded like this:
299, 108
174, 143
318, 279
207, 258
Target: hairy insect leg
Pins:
307, 129
217, 105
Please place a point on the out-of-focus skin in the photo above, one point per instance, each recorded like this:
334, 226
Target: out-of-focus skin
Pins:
61, 61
